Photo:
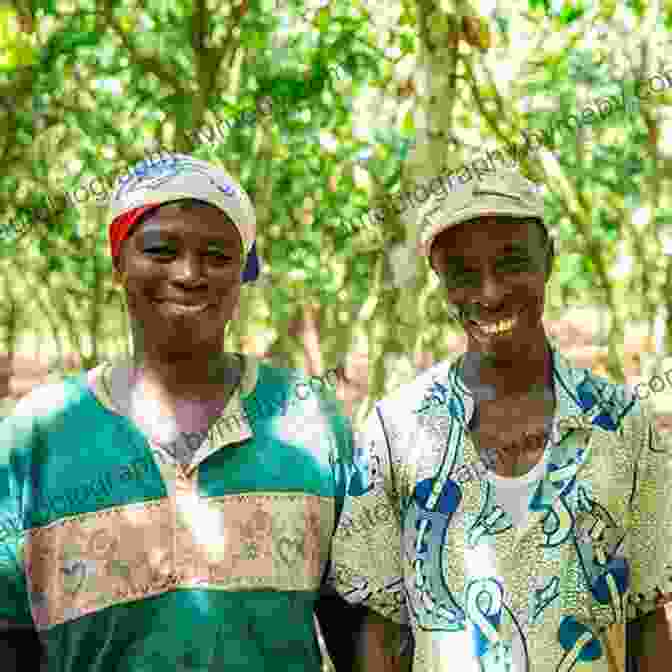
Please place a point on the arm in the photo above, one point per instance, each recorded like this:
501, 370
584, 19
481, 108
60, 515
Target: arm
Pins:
8, 647
379, 648
20, 648
651, 640
367, 551
340, 624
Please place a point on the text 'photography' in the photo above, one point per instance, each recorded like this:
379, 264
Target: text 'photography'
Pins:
336, 336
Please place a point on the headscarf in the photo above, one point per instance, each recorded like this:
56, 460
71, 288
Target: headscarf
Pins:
174, 177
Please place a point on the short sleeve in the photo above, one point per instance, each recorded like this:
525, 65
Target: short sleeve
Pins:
14, 603
649, 538
341, 446
366, 549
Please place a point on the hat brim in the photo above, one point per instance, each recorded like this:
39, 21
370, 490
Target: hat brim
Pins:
494, 209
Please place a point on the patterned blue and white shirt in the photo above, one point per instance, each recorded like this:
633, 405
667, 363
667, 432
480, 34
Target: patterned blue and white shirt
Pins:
422, 539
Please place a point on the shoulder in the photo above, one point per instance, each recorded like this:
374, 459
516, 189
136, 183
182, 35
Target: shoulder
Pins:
264, 381
44, 401
615, 403
297, 382
46, 407
308, 396
268, 372
606, 392
272, 381
39, 415
431, 388
613, 408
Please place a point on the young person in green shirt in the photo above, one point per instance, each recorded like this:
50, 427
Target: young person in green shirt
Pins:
130, 547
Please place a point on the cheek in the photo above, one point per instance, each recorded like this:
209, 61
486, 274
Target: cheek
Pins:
139, 304
455, 301
141, 290
229, 295
143, 275
533, 291
527, 288
536, 283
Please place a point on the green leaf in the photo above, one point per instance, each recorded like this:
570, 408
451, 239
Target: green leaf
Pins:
407, 43
67, 43
570, 14
49, 6
408, 124
323, 17
407, 18
637, 6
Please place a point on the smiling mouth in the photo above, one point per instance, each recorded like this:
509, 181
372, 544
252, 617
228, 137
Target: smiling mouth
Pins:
500, 328
185, 309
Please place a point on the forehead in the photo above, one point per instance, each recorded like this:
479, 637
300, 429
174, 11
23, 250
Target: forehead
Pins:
486, 235
192, 216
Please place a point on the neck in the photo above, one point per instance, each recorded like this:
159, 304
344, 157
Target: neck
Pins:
187, 375
527, 369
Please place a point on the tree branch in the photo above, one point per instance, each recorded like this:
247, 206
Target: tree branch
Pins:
149, 63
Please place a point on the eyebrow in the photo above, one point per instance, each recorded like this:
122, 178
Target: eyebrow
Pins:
515, 247
154, 234
512, 247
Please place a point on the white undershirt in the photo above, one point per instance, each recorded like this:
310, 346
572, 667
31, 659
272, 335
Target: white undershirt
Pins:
513, 493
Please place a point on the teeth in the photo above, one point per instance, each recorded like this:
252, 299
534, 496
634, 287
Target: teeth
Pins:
500, 327
188, 309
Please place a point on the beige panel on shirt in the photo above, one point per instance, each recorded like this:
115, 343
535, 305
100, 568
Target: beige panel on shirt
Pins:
86, 563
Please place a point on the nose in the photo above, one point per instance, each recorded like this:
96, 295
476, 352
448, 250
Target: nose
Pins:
188, 269
492, 290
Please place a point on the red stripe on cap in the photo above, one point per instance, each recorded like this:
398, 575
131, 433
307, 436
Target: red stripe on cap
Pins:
122, 225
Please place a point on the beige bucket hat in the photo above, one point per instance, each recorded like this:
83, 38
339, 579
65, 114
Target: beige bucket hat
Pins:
504, 193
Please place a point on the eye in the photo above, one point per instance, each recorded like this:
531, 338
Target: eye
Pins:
460, 277
515, 263
160, 250
222, 255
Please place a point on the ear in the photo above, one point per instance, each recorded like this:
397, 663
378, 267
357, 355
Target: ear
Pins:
430, 256
550, 258
119, 277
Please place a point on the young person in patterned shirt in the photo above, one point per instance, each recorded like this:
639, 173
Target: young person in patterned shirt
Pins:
511, 510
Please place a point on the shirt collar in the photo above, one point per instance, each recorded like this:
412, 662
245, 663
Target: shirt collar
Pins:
582, 400
586, 401
230, 427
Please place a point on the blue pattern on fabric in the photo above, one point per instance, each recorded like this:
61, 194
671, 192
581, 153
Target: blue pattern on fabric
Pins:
569, 634
588, 400
474, 583
148, 175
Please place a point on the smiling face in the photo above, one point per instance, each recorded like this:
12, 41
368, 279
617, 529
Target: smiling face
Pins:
494, 271
183, 267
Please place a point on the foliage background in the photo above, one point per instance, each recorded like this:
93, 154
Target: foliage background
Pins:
368, 98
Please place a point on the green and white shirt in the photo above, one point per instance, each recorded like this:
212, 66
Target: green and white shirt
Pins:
422, 539
127, 562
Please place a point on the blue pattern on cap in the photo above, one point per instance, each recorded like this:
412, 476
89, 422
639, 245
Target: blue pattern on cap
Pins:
147, 174
152, 173
252, 265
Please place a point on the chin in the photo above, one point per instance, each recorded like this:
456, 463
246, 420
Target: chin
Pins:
181, 349
179, 341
